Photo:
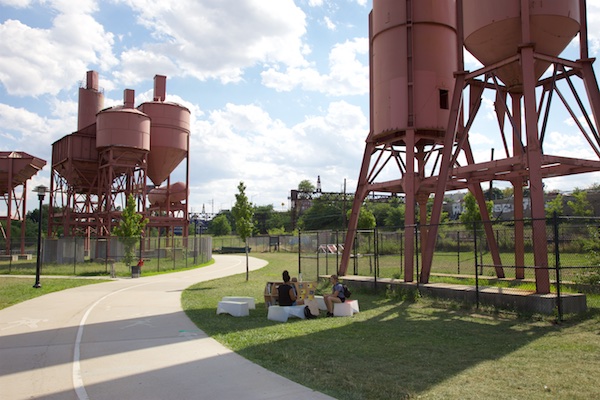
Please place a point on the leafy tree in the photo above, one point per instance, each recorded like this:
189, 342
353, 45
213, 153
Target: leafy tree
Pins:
472, 215
380, 211
366, 219
581, 206
243, 214
306, 186
555, 205
130, 229
219, 226
496, 194
395, 216
325, 213
306, 189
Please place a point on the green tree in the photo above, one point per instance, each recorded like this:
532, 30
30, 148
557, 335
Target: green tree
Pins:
555, 205
325, 213
129, 230
471, 217
366, 219
220, 226
306, 186
243, 215
581, 206
395, 216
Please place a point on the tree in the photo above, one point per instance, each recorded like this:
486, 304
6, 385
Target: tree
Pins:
130, 229
395, 216
366, 219
306, 186
581, 206
220, 226
306, 189
555, 205
325, 213
471, 217
243, 215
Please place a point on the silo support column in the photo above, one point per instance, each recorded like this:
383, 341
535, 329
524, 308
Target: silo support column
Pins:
410, 211
361, 192
445, 170
534, 163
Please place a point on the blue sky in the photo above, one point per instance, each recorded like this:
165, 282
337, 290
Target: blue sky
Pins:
278, 89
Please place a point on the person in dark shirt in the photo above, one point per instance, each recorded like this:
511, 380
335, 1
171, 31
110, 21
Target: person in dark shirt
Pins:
287, 292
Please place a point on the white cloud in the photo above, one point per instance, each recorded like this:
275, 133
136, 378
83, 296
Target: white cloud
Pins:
32, 132
37, 61
244, 143
315, 3
329, 24
347, 75
207, 40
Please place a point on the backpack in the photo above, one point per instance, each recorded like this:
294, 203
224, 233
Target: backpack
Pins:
308, 314
347, 292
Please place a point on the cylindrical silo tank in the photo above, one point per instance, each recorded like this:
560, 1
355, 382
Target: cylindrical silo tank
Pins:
170, 128
492, 31
414, 57
123, 127
91, 101
174, 193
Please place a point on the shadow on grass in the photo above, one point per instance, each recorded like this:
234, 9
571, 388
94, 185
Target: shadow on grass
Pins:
388, 350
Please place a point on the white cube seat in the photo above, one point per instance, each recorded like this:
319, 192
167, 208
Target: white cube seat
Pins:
249, 300
235, 308
277, 313
345, 309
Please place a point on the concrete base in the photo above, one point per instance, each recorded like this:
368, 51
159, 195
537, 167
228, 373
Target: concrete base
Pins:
506, 298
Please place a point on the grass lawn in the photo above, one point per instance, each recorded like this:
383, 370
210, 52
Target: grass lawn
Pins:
14, 290
395, 348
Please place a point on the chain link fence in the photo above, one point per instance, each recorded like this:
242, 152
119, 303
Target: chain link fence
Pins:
103, 256
505, 257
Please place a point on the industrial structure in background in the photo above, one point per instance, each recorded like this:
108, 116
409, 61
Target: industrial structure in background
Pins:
16, 168
423, 104
116, 152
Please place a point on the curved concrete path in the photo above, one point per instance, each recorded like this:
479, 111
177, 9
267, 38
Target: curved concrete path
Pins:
128, 339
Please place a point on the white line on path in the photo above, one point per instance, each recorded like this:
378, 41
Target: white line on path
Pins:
77, 378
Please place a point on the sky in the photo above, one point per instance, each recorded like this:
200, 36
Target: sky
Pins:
278, 89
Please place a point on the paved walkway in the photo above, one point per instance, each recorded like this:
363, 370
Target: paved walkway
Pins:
128, 339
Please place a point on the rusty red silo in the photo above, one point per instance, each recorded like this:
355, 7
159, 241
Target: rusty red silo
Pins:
414, 56
170, 129
492, 31
123, 127
174, 193
91, 101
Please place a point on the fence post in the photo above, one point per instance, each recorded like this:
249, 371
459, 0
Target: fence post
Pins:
476, 276
557, 267
299, 254
74, 255
158, 253
417, 230
458, 252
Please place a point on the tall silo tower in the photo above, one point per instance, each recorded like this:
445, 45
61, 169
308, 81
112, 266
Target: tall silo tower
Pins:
413, 57
74, 175
517, 41
170, 133
123, 143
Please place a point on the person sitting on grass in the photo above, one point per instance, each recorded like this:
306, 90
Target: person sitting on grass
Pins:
336, 296
287, 292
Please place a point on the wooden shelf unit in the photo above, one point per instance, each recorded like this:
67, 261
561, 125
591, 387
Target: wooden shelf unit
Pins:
305, 290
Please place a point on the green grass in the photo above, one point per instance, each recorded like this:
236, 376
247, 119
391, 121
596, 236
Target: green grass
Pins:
152, 266
396, 349
14, 290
